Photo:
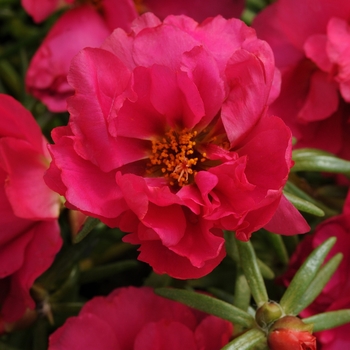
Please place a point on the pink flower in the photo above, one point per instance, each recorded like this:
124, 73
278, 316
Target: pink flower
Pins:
39, 10
29, 210
136, 318
169, 139
335, 295
336, 338
83, 26
310, 40
197, 9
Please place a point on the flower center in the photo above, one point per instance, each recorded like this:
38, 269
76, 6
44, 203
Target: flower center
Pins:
176, 157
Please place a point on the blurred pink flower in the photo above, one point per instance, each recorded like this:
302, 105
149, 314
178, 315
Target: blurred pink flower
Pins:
82, 26
169, 139
199, 10
311, 43
29, 210
336, 294
136, 318
39, 10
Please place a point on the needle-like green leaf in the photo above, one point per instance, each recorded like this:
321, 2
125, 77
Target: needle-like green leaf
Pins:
304, 276
318, 283
209, 305
303, 205
88, 226
246, 341
309, 159
252, 271
328, 320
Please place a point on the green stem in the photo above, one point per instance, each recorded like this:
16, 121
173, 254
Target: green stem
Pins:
246, 341
278, 245
88, 226
102, 272
252, 272
40, 335
242, 293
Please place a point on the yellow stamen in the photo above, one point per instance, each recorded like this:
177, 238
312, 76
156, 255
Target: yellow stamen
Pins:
176, 154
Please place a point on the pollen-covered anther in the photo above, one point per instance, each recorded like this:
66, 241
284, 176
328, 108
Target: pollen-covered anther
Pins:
175, 157
182, 170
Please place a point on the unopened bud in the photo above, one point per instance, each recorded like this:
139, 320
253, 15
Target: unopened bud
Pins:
291, 333
268, 313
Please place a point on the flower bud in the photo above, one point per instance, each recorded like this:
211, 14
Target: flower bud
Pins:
291, 333
268, 313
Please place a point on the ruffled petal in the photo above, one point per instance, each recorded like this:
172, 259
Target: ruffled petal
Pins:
86, 187
29, 195
46, 77
164, 260
269, 150
98, 98
84, 332
338, 49
167, 40
42, 244
315, 49
322, 99
202, 69
165, 335
248, 95
140, 119
199, 244
40, 10
287, 213
18, 123
213, 333
176, 97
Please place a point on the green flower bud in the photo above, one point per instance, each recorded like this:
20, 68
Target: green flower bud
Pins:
268, 313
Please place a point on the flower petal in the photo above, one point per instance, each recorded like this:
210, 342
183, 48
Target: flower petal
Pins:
87, 188
286, 212
167, 40
46, 77
321, 100
164, 260
29, 195
17, 122
248, 95
199, 244
43, 243
165, 335
315, 49
213, 333
202, 69
99, 96
81, 333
